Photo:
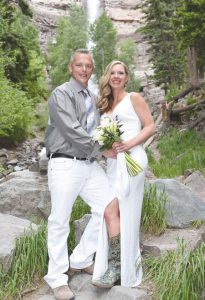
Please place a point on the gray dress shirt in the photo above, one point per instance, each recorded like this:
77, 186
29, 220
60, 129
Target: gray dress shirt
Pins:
66, 131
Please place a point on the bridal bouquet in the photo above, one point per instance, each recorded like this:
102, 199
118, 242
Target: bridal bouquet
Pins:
109, 132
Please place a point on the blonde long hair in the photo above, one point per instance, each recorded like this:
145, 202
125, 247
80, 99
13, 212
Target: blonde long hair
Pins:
106, 97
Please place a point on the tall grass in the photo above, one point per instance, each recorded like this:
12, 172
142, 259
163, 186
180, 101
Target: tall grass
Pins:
1, 168
153, 210
80, 208
178, 275
179, 151
29, 263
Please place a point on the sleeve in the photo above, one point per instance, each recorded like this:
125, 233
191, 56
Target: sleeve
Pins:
63, 113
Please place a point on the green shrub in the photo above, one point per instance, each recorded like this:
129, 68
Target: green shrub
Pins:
19, 44
40, 118
172, 90
15, 113
34, 83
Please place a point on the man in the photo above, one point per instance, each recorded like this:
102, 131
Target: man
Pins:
73, 171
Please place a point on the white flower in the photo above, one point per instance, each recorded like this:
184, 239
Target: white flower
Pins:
105, 122
97, 134
101, 143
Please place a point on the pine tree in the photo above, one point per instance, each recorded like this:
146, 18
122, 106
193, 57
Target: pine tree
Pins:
127, 54
20, 44
71, 35
104, 37
168, 61
190, 30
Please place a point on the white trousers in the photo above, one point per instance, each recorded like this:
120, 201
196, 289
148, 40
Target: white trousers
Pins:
68, 178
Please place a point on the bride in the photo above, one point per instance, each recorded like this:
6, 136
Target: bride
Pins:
118, 255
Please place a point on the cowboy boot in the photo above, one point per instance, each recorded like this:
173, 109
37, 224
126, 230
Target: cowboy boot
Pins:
112, 274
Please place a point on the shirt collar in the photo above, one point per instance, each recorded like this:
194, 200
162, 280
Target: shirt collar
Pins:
77, 86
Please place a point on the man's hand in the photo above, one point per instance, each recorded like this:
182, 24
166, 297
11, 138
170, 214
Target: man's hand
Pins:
111, 153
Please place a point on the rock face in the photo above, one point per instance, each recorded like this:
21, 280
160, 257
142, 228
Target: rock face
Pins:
46, 15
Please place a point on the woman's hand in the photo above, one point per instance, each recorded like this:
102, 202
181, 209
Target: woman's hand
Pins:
122, 146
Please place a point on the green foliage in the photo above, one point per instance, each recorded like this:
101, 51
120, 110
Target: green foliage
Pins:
172, 90
178, 275
106, 48
197, 224
190, 99
15, 113
40, 118
168, 61
154, 210
80, 208
34, 81
71, 35
25, 8
180, 150
29, 263
22, 75
190, 28
104, 36
127, 54
19, 42
1, 169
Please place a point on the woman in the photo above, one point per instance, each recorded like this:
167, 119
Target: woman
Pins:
122, 215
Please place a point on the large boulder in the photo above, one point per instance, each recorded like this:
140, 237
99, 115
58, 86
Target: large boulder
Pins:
21, 193
11, 228
183, 206
196, 182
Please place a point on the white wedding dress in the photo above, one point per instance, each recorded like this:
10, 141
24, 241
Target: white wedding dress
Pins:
129, 191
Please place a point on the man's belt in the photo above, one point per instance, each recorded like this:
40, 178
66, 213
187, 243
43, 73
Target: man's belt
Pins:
54, 155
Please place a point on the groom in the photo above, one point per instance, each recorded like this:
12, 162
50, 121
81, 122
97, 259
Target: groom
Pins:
73, 171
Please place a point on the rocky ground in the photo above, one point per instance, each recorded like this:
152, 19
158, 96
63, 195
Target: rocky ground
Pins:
84, 290
17, 158
24, 194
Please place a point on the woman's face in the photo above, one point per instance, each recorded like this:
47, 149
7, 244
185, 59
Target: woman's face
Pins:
118, 77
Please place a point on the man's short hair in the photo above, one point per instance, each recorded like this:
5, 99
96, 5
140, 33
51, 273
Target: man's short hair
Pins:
83, 51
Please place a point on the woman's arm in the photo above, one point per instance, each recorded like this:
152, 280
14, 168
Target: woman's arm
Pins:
148, 128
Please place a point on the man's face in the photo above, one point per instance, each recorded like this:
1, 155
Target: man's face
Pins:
81, 68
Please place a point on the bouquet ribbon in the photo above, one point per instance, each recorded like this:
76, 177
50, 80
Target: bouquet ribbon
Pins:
123, 186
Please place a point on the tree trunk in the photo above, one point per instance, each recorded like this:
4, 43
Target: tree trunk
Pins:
193, 72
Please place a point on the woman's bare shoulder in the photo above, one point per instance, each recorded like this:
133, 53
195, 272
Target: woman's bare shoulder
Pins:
136, 98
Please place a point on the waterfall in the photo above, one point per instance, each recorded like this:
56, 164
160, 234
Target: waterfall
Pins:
94, 9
